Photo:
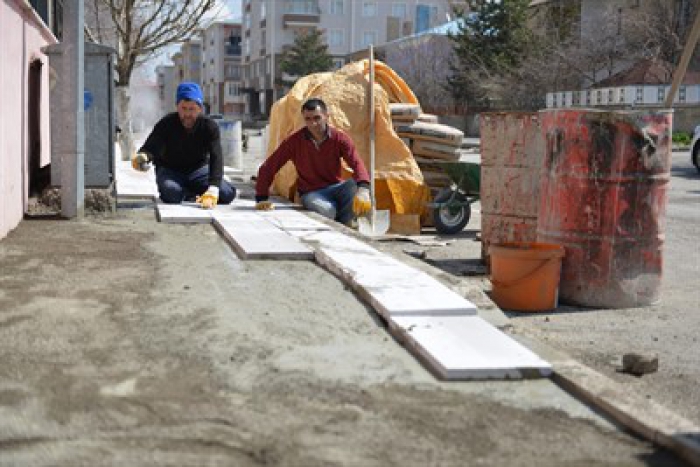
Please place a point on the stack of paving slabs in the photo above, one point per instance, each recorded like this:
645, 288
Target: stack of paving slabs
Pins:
430, 142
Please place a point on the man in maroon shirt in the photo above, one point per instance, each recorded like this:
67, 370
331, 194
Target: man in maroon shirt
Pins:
316, 151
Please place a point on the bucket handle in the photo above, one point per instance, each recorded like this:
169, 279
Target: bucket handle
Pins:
522, 279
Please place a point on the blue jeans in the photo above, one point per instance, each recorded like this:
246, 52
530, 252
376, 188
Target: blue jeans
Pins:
175, 186
333, 201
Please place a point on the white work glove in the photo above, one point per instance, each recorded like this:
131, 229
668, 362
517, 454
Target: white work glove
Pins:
362, 204
140, 162
210, 197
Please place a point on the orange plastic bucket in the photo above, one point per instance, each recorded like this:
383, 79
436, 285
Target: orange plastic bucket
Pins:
525, 276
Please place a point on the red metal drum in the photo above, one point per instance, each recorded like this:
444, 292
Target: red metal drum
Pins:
512, 154
603, 197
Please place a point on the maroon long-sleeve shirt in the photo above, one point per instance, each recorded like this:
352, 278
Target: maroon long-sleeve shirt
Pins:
317, 167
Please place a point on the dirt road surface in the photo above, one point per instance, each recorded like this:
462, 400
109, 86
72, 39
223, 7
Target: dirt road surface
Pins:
128, 342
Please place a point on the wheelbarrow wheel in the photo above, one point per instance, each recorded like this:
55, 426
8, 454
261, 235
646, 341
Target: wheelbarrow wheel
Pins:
454, 216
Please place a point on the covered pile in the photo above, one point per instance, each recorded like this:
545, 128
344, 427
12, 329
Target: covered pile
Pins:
400, 187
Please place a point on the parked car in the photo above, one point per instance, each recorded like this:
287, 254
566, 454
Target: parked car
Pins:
695, 148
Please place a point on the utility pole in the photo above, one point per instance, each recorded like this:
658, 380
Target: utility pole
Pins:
72, 127
679, 73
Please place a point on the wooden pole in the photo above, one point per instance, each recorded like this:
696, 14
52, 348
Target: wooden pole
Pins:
685, 59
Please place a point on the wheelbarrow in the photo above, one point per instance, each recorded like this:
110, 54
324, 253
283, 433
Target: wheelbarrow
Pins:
451, 207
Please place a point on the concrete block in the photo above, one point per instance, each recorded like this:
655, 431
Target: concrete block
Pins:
185, 213
131, 184
255, 238
467, 347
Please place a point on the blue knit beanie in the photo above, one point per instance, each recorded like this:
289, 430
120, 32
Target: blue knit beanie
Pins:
191, 92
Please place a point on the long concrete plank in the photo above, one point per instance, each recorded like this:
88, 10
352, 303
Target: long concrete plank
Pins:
436, 324
467, 348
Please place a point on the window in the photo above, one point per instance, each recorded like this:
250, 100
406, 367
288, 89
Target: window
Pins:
369, 8
426, 17
246, 20
262, 10
232, 72
338, 63
398, 10
247, 46
263, 38
233, 89
336, 7
336, 37
369, 38
661, 94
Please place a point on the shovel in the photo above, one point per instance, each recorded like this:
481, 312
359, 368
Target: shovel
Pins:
376, 223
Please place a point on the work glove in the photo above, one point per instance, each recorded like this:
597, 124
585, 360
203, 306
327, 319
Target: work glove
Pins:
362, 204
140, 162
264, 206
209, 199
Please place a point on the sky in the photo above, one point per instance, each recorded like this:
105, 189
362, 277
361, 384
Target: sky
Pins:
233, 9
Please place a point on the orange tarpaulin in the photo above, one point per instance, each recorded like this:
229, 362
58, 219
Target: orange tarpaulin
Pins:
399, 183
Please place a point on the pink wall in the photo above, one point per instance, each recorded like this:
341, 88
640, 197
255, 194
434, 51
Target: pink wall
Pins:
22, 34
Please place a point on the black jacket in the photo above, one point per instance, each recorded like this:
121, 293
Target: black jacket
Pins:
171, 145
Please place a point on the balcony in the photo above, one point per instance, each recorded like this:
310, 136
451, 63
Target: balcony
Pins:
233, 50
301, 13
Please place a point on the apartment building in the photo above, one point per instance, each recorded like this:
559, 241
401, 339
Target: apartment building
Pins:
221, 68
349, 26
191, 64
167, 79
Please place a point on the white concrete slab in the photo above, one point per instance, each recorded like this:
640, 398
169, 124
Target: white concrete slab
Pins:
467, 347
185, 213
415, 301
132, 184
252, 237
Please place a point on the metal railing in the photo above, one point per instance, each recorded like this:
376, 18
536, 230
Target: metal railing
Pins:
302, 7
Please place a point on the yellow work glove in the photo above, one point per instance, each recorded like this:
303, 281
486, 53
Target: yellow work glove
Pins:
264, 206
209, 199
140, 162
361, 204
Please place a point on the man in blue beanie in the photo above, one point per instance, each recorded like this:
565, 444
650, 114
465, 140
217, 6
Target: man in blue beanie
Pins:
185, 147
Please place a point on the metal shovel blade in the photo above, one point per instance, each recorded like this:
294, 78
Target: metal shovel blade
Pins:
375, 224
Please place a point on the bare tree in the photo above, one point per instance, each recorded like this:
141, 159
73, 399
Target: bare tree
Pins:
422, 63
138, 30
662, 29
573, 53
